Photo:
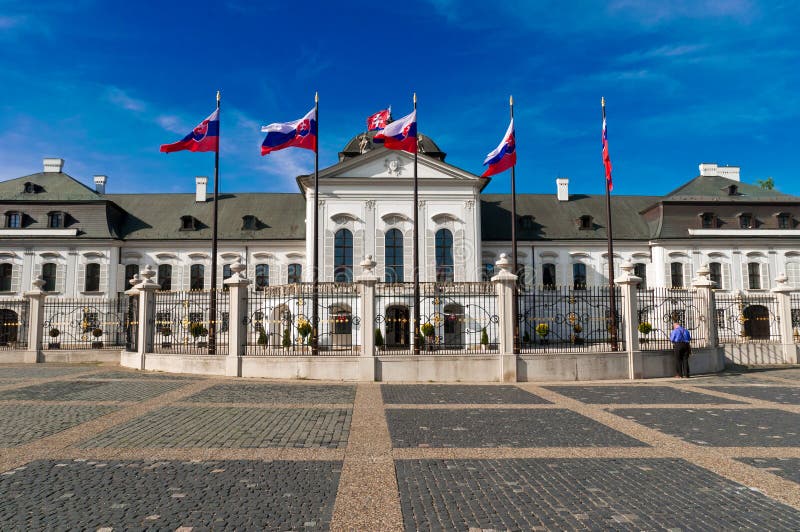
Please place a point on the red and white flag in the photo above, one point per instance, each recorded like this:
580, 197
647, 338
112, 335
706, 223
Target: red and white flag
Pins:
379, 119
606, 158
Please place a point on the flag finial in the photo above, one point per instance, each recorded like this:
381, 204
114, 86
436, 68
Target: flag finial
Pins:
217, 95
415, 98
603, 101
511, 100
316, 97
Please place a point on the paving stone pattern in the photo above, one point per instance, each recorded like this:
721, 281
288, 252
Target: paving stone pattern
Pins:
231, 427
722, 427
276, 393
644, 395
80, 390
20, 425
500, 428
39, 371
456, 394
140, 375
788, 468
777, 394
137, 495
580, 494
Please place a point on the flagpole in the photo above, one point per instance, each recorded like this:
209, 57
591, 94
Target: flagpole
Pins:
416, 241
212, 310
612, 298
514, 238
315, 298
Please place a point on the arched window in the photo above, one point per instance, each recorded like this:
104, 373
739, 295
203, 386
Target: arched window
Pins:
197, 277
295, 273
130, 271
165, 276
5, 277
579, 276
262, 276
49, 276
444, 256
92, 281
716, 273
394, 256
343, 256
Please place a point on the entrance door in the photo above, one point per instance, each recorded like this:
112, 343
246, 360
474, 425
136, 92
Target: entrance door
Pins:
453, 326
397, 327
756, 325
9, 326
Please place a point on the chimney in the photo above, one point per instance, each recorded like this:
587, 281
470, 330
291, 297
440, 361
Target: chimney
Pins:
200, 189
562, 188
728, 172
100, 183
53, 165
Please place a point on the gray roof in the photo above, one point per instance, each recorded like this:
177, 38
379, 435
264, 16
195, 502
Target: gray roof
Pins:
50, 186
715, 188
556, 220
158, 216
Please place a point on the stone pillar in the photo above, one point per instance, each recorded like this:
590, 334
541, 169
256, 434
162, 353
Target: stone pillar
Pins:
366, 291
627, 282
147, 313
505, 282
783, 292
238, 286
708, 309
35, 299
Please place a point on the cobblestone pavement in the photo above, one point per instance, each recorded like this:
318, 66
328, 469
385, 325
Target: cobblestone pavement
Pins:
98, 447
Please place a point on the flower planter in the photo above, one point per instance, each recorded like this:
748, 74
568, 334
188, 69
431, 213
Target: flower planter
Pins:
97, 345
54, 345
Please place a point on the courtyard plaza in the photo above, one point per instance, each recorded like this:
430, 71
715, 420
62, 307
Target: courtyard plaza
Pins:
96, 447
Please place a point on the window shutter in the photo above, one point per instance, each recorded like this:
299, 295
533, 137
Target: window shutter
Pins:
16, 272
591, 276
459, 257
793, 273
251, 273
430, 256
281, 274
765, 280
408, 255
358, 252
186, 280
104, 285
61, 278
726, 276
687, 274
81, 277
668, 275
206, 276
745, 277
327, 258
380, 254
122, 282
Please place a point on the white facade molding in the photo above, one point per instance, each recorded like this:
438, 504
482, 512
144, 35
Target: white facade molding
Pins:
39, 232
744, 232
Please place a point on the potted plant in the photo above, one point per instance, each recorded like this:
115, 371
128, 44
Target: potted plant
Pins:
303, 329
54, 334
197, 330
526, 339
166, 332
577, 329
427, 329
287, 338
484, 339
543, 330
645, 328
263, 339
378, 338
97, 332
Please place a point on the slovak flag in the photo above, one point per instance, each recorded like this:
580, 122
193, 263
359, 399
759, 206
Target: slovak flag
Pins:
204, 137
400, 134
379, 119
504, 156
606, 158
300, 133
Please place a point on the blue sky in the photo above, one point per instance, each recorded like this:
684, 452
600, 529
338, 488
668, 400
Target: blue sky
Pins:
104, 84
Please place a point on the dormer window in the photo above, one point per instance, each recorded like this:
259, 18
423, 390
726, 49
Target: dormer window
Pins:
526, 222
13, 220
745, 220
29, 188
585, 222
733, 190
784, 220
249, 222
188, 223
55, 220
708, 220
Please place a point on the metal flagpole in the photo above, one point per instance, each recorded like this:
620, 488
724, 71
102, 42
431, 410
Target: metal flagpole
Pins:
212, 309
416, 242
315, 298
514, 237
612, 298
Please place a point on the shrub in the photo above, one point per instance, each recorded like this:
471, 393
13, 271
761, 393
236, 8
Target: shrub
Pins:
262, 338
97, 332
577, 329
526, 337
303, 328
484, 337
427, 329
645, 328
543, 329
196, 329
378, 338
287, 338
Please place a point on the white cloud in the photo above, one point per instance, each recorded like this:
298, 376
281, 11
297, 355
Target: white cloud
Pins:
120, 98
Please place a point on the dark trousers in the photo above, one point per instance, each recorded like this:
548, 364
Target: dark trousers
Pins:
682, 352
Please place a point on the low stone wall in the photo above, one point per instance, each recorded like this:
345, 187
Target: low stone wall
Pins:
305, 367
197, 364
13, 356
663, 364
438, 368
753, 353
80, 356
572, 367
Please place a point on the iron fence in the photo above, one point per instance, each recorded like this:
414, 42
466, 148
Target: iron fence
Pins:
796, 317
14, 323
567, 319
394, 314
659, 308
279, 320
746, 317
132, 324
182, 322
87, 323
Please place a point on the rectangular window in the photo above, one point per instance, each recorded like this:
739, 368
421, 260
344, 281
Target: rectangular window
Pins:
708, 220
49, 276
14, 220
92, 282
520, 274
163, 322
165, 276
783, 221
56, 220
5, 279
745, 221
342, 322
226, 274
262, 276
549, 276
295, 273
716, 273
197, 277
130, 271
676, 272
753, 276
579, 276
487, 272
640, 270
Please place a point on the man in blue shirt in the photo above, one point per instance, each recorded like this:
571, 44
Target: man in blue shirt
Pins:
680, 338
